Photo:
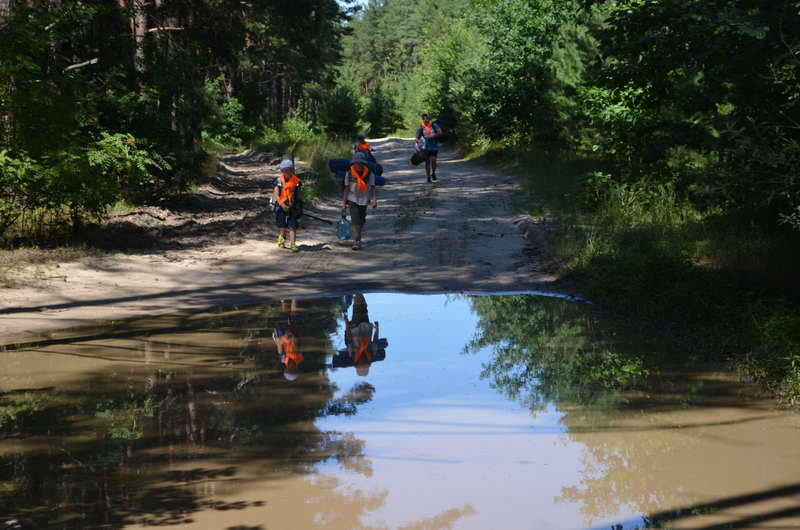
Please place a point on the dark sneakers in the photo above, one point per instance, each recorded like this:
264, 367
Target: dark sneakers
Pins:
433, 177
357, 245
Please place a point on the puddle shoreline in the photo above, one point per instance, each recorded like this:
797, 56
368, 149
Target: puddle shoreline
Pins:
12, 340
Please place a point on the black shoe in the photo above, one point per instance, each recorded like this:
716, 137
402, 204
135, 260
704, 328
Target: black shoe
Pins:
433, 176
429, 180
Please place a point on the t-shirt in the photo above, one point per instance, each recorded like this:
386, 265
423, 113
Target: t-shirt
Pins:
355, 195
431, 144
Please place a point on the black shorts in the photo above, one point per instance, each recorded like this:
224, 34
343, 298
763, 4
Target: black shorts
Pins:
358, 213
432, 153
284, 220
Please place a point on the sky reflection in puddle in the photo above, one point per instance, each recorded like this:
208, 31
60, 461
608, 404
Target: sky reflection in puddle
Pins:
487, 412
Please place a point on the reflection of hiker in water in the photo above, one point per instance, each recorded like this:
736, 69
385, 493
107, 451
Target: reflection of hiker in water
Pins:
362, 339
286, 339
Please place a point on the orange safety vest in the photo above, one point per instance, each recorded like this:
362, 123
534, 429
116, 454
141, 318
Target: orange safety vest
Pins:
427, 127
290, 352
360, 182
364, 146
287, 190
363, 352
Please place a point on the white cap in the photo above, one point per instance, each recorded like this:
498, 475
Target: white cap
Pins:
287, 164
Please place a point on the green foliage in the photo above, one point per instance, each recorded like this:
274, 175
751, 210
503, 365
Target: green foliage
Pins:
22, 182
381, 112
296, 130
125, 418
90, 179
546, 349
292, 133
775, 357
447, 82
227, 126
85, 180
696, 69
19, 410
317, 153
340, 112
77, 79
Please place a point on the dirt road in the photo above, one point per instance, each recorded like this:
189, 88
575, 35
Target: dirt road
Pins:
217, 248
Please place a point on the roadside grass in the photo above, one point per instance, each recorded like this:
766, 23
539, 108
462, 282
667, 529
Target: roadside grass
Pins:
317, 152
724, 289
297, 138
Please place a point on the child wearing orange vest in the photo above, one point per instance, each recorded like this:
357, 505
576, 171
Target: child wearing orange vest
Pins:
362, 145
359, 191
286, 196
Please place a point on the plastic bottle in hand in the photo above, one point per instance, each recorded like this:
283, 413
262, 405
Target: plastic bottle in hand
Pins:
344, 228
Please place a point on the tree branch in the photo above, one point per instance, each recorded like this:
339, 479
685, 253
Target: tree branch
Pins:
81, 65
168, 28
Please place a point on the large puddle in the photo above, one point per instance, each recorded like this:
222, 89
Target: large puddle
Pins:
386, 411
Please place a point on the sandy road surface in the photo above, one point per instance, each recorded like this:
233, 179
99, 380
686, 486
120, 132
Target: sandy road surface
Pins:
460, 234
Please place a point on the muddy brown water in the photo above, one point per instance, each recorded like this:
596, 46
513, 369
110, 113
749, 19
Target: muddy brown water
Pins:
486, 412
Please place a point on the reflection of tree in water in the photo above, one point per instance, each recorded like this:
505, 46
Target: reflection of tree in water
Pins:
628, 471
103, 465
547, 349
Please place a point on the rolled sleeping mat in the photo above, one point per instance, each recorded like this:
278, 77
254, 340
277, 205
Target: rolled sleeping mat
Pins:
339, 164
380, 180
343, 164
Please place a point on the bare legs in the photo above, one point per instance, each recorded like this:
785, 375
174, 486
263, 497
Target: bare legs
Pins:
289, 234
430, 167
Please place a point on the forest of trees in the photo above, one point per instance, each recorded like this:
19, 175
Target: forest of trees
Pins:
702, 96
103, 100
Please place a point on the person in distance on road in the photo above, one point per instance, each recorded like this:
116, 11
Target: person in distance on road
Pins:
362, 145
428, 135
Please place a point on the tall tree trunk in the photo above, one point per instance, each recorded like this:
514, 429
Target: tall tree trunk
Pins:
139, 30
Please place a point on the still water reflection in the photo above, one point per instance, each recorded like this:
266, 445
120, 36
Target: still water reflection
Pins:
386, 411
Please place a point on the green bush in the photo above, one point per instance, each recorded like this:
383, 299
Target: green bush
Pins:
381, 113
22, 181
91, 179
85, 181
225, 125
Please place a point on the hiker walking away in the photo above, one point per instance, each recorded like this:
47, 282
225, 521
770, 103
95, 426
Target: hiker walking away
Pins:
428, 136
286, 197
363, 146
359, 191
361, 342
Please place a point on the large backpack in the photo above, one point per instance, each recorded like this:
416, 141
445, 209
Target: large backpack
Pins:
443, 137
